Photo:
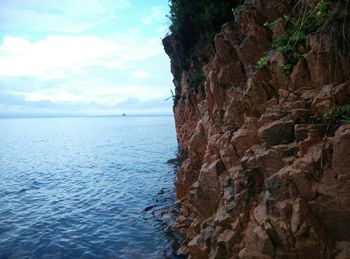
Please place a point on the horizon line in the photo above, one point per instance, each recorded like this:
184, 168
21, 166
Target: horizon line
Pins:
9, 116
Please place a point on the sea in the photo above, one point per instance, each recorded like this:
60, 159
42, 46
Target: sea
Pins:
87, 187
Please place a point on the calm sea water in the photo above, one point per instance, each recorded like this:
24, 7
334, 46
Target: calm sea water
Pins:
85, 187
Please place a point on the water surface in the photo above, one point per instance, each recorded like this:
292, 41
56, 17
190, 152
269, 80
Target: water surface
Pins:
78, 187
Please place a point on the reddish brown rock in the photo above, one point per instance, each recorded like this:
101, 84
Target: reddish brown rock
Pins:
341, 151
277, 132
275, 64
300, 77
262, 179
342, 93
207, 193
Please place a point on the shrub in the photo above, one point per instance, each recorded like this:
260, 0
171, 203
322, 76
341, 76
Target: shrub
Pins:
305, 17
240, 8
262, 63
191, 19
287, 69
339, 116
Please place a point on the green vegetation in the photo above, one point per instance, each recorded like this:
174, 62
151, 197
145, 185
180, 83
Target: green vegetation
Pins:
336, 118
304, 17
272, 24
240, 8
195, 81
287, 69
262, 62
192, 19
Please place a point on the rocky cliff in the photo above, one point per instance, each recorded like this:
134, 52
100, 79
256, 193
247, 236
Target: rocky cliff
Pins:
267, 136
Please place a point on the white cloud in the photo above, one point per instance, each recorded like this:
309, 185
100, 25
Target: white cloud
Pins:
55, 56
98, 92
140, 74
71, 16
156, 14
82, 54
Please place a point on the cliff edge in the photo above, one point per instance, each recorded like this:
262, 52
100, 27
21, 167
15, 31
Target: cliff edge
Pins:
262, 111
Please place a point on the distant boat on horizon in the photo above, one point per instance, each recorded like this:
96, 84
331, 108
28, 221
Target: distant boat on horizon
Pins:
123, 114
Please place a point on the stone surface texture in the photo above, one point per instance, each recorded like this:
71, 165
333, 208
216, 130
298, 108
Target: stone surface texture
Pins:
260, 180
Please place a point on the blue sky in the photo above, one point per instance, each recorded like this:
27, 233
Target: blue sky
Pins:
93, 57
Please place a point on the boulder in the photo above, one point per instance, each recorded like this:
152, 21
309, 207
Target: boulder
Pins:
300, 77
341, 151
278, 132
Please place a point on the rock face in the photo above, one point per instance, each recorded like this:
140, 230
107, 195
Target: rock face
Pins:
262, 180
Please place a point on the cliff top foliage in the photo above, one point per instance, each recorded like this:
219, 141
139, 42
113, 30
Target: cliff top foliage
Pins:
303, 18
192, 19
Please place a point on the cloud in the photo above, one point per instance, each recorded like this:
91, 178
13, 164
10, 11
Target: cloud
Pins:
17, 104
70, 16
55, 56
60, 56
87, 92
140, 74
155, 14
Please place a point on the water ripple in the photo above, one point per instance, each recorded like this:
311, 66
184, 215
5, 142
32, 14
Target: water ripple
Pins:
86, 187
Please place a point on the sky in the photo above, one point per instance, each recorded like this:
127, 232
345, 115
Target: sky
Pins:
84, 57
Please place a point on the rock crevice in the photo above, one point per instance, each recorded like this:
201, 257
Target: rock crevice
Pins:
263, 178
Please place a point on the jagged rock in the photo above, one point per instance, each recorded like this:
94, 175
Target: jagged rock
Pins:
299, 213
243, 139
342, 93
300, 77
312, 139
262, 180
198, 248
207, 194
342, 250
276, 62
276, 185
278, 132
318, 64
340, 161
229, 79
257, 243
225, 52
225, 242
301, 131
228, 153
215, 95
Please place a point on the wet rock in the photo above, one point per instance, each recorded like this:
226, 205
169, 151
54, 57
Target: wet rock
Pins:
198, 247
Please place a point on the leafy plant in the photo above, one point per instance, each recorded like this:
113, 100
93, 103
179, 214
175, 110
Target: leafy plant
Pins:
192, 19
287, 69
339, 116
305, 17
262, 62
273, 23
240, 8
